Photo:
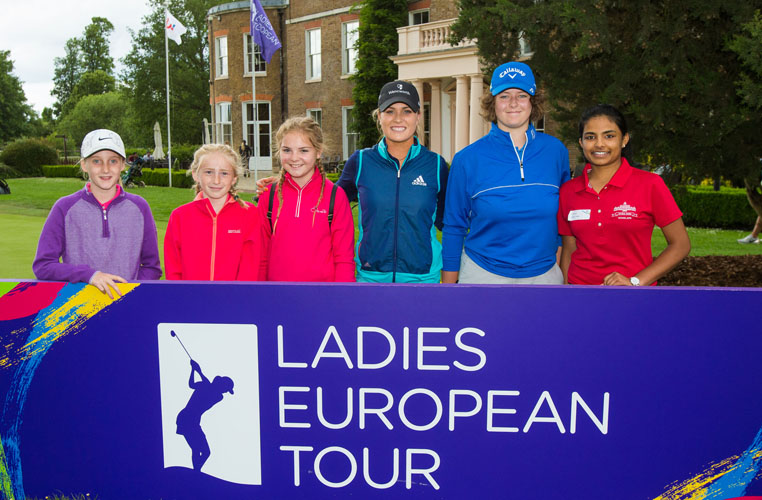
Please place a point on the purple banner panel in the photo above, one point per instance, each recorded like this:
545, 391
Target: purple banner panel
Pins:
230, 390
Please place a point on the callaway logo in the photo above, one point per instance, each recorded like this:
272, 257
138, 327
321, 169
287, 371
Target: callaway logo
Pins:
512, 70
419, 181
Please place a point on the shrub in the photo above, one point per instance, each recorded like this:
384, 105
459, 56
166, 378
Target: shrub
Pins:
160, 177
27, 156
7, 172
182, 155
704, 207
63, 171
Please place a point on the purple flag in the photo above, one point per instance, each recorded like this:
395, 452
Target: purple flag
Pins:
262, 31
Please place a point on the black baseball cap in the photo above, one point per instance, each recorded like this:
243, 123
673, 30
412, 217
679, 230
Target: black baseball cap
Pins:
399, 91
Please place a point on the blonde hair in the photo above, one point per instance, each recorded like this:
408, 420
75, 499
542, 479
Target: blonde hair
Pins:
230, 154
537, 100
314, 134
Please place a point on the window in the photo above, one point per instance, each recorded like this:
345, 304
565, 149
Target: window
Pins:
224, 128
348, 47
540, 124
348, 136
252, 49
317, 115
221, 52
257, 127
418, 17
312, 45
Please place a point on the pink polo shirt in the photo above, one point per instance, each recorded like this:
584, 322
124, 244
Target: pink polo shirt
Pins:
613, 228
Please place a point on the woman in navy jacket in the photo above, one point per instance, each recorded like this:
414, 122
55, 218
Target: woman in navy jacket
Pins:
400, 186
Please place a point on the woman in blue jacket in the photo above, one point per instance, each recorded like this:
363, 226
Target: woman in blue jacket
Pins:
400, 186
502, 197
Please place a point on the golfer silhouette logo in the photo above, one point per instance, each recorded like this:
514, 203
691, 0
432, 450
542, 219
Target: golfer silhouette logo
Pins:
205, 395
214, 411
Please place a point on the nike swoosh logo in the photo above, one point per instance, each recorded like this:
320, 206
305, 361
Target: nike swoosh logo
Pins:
103, 138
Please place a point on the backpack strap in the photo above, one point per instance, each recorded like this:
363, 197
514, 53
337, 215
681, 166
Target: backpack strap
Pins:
270, 207
330, 204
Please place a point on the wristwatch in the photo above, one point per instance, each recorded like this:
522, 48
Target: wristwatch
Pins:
634, 281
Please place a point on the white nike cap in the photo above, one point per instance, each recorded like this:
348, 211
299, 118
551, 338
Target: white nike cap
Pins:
101, 139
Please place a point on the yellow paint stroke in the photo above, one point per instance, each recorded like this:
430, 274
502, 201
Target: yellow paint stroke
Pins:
65, 320
696, 488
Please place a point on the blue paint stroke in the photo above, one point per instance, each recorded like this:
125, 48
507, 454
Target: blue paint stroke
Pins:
743, 472
11, 418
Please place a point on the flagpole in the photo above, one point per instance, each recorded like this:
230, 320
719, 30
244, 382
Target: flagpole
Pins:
255, 110
166, 59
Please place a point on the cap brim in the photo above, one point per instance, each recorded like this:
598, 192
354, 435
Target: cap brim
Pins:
507, 86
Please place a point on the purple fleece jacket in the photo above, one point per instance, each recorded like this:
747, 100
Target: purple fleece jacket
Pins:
80, 238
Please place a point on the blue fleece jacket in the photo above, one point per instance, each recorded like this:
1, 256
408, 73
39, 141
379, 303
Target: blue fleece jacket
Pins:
400, 208
503, 204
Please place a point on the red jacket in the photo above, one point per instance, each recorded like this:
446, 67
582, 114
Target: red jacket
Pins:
303, 247
203, 246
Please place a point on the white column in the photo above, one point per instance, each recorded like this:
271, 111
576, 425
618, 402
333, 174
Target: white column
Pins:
461, 113
436, 117
418, 84
476, 125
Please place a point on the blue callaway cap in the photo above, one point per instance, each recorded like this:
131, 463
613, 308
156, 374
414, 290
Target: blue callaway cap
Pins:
512, 75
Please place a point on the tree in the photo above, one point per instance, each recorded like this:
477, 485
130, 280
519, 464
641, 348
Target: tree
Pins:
94, 46
92, 112
377, 41
90, 83
145, 74
66, 74
664, 64
747, 45
15, 113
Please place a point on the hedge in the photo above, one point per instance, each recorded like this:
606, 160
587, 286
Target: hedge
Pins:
62, 171
160, 177
727, 208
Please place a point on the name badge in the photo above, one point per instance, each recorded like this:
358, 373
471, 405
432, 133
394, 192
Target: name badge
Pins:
583, 214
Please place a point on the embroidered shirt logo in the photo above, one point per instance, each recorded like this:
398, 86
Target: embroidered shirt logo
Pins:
236, 231
625, 211
320, 211
419, 181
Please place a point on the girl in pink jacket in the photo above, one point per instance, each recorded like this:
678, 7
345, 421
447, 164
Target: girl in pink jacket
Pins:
307, 220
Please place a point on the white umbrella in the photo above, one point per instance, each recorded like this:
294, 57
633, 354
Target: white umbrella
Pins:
206, 132
158, 153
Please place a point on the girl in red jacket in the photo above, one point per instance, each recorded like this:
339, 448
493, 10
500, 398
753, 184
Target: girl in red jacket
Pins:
307, 221
217, 236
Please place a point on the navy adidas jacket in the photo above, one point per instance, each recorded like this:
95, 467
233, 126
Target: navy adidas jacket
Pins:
400, 208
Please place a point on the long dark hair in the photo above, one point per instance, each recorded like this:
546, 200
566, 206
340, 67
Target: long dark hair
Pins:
615, 116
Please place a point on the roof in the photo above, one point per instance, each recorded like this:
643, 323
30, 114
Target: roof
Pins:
245, 4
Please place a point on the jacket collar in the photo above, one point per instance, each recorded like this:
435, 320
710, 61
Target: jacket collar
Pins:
383, 150
290, 181
504, 137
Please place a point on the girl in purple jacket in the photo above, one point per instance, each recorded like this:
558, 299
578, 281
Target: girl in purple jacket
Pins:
101, 234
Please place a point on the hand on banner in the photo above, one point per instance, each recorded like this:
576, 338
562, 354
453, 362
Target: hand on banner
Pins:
616, 279
105, 282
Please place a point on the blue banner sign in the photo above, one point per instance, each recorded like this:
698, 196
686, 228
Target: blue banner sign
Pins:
197, 390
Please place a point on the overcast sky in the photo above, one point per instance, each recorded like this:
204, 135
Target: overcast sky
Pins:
35, 32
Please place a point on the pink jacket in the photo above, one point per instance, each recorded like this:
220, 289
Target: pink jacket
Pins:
303, 247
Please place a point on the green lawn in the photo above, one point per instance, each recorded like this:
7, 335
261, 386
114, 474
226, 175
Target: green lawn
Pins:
23, 213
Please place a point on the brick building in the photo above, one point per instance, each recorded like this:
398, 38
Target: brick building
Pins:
310, 74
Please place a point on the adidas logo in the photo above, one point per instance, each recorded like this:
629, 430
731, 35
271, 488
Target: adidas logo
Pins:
419, 181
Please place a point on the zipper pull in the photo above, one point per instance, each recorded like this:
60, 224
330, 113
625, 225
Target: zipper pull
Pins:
104, 214
399, 170
521, 166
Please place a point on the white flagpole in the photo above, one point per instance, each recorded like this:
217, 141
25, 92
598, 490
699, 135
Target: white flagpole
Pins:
255, 110
169, 136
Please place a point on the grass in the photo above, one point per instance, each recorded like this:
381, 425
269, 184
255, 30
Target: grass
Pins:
23, 213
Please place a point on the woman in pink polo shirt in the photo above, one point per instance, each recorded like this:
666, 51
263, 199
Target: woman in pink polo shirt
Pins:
606, 216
